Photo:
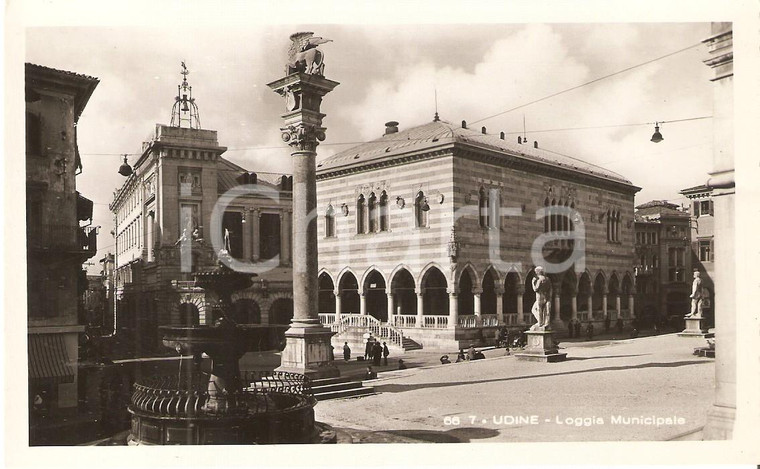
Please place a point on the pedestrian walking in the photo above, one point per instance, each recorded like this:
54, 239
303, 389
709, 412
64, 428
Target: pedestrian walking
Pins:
577, 329
386, 352
346, 352
471, 352
368, 349
377, 353
590, 331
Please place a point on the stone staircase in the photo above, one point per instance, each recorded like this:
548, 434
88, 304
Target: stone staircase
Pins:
351, 329
409, 344
339, 388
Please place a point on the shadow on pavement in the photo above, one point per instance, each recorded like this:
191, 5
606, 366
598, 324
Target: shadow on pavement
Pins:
606, 356
456, 435
383, 388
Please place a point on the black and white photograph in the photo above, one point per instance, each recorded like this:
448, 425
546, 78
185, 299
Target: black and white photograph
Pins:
368, 225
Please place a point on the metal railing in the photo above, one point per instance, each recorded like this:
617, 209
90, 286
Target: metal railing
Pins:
262, 392
62, 237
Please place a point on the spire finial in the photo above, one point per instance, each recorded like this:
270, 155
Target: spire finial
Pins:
185, 110
436, 118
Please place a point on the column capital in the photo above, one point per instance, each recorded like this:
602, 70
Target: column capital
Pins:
419, 290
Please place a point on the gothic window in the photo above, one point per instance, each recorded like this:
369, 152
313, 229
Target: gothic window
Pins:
483, 208
421, 210
383, 211
547, 221
360, 214
330, 222
494, 203
553, 218
372, 213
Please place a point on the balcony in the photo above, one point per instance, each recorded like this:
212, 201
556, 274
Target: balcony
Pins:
62, 239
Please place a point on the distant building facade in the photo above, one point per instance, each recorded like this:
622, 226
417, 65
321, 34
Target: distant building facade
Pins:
702, 210
165, 206
663, 261
56, 243
411, 234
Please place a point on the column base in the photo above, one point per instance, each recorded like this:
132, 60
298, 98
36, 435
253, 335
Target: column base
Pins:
720, 423
541, 348
308, 351
694, 327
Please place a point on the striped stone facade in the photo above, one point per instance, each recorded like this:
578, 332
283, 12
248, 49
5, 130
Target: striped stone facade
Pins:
467, 267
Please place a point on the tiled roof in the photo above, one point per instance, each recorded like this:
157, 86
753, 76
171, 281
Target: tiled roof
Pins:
42, 68
436, 134
657, 203
227, 173
696, 189
660, 212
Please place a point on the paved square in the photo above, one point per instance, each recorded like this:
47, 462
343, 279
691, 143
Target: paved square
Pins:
596, 395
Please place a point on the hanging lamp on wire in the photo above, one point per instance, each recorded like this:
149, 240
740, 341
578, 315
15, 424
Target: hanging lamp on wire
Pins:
657, 136
125, 169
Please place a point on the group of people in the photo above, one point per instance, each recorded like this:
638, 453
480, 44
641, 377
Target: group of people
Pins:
372, 351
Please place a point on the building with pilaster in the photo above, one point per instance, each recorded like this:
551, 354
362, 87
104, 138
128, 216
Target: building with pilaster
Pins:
663, 261
702, 211
180, 204
432, 234
57, 242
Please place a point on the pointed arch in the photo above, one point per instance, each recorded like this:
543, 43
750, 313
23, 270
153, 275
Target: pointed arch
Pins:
326, 295
491, 288
426, 269
470, 269
368, 271
435, 288
373, 286
403, 287
348, 288
384, 212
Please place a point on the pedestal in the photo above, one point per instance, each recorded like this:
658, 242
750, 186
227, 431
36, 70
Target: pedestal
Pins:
694, 328
541, 348
308, 351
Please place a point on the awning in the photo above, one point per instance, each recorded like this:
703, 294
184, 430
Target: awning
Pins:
48, 360
84, 208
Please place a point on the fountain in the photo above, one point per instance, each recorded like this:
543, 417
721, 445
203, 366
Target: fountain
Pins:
223, 406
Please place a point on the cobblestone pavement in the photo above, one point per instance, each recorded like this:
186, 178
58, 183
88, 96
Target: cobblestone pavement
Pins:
589, 397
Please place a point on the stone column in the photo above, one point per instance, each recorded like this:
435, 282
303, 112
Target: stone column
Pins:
247, 253
604, 305
631, 312
308, 349
590, 307
476, 307
420, 304
285, 234
574, 306
453, 310
391, 308
520, 312
255, 234
500, 306
337, 306
362, 304
555, 308
617, 307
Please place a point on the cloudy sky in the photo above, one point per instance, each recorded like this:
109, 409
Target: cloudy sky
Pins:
392, 72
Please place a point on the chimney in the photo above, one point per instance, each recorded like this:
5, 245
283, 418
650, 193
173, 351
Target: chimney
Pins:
535, 143
519, 139
483, 129
501, 135
464, 124
391, 127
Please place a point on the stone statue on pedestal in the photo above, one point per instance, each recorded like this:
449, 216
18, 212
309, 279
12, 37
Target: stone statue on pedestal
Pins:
304, 56
542, 307
696, 297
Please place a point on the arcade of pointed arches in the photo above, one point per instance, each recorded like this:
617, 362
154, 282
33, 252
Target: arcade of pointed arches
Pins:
474, 298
